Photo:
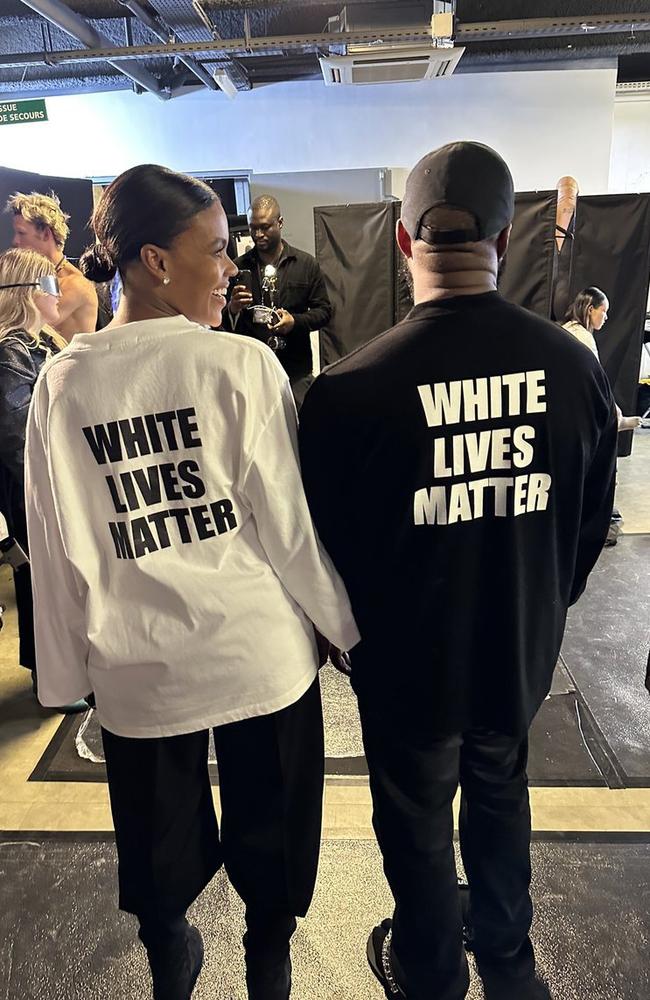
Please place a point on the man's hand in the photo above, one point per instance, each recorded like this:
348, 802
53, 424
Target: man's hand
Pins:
341, 660
241, 299
284, 325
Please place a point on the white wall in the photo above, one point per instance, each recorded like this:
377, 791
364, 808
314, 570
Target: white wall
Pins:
299, 193
630, 163
544, 123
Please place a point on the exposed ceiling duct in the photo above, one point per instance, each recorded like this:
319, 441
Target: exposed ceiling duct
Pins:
172, 46
156, 28
63, 17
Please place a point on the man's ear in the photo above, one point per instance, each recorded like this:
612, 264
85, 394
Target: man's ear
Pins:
281, 222
404, 241
502, 241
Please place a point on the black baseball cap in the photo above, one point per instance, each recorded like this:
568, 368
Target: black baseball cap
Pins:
464, 175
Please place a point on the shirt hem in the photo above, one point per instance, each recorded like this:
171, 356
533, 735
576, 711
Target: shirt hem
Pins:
212, 720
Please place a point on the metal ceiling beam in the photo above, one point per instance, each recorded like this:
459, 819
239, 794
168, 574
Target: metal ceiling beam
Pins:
156, 28
487, 31
551, 27
78, 27
235, 46
219, 5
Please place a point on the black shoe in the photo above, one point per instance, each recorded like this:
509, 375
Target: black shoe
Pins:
267, 980
512, 978
176, 970
378, 953
498, 985
465, 909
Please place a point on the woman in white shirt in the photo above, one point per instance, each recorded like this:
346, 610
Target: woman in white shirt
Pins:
177, 574
586, 315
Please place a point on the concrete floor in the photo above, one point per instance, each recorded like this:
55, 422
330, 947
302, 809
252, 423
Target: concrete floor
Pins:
590, 937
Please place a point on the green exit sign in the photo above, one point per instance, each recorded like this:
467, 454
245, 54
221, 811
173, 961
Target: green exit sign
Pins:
22, 112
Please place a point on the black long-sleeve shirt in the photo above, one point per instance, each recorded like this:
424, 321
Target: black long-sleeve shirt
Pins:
20, 363
301, 291
460, 471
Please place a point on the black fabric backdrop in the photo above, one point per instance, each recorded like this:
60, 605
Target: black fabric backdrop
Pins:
612, 251
356, 249
527, 274
76, 197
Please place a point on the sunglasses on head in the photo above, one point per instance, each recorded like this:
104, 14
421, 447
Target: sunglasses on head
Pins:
48, 283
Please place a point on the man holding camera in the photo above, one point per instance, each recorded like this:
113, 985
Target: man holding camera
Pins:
290, 284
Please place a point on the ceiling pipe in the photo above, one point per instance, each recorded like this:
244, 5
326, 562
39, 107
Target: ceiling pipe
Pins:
219, 5
63, 17
156, 28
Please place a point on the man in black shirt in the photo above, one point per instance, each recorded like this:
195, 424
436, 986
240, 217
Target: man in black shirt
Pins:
299, 295
460, 471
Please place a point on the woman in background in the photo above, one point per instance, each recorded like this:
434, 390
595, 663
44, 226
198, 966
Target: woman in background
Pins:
27, 340
586, 316
179, 574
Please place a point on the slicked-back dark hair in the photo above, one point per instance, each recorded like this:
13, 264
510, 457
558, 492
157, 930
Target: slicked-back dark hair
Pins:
578, 311
146, 204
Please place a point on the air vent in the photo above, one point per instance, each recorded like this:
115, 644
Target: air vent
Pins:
395, 64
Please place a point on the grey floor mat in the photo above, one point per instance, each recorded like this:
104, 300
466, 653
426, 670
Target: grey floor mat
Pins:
606, 651
559, 752
61, 937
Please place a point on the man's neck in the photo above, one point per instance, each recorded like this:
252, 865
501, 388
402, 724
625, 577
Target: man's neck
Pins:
270, 256
53, 253
457, 272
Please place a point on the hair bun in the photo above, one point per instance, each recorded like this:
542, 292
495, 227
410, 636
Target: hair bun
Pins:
97, 264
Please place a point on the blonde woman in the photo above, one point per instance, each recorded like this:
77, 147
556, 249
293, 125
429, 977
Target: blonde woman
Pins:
40, 224
27, 339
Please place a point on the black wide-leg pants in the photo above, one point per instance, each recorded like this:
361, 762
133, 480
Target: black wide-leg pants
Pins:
169, 844
413, 781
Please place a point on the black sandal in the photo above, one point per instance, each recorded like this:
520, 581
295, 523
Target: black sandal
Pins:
378, 954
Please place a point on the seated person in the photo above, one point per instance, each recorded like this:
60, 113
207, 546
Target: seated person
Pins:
586, 315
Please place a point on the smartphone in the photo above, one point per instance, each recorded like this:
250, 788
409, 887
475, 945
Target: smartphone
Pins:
245, 278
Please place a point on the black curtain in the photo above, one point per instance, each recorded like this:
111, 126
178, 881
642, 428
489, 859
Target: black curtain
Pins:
527, 276
356, 249
75, 194
365, 276
612, 251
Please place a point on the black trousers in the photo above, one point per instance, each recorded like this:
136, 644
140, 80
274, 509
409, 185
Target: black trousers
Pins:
413, 781
299, 386
25, 612
169, 844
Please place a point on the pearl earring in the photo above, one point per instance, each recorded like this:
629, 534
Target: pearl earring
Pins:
165, 281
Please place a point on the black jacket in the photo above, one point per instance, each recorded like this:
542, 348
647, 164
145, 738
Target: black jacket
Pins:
460, 471
301, 291
20, 364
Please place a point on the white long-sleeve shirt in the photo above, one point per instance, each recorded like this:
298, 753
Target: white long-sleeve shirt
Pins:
175, 566
583, 335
